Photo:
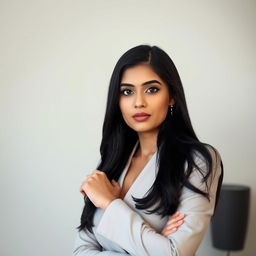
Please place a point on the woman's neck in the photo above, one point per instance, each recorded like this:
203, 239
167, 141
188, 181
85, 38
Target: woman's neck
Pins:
147, 144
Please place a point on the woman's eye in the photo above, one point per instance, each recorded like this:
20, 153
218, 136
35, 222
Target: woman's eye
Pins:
152, 90
126, 92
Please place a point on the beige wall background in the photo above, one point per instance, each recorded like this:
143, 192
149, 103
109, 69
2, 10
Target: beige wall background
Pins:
56, 58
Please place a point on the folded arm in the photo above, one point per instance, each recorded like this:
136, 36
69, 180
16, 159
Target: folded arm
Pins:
87, 245
127, 228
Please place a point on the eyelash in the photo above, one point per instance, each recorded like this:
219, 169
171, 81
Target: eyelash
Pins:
124, 90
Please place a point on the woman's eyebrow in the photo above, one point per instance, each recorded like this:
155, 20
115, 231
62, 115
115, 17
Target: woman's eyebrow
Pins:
145, 83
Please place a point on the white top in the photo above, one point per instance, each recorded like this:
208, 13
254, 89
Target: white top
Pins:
122, 229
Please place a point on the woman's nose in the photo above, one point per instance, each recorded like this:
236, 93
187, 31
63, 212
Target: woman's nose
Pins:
139, 101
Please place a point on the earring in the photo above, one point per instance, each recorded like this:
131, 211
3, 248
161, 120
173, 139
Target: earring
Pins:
171, 106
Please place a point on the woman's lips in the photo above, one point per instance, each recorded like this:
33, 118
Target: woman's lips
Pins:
140, 117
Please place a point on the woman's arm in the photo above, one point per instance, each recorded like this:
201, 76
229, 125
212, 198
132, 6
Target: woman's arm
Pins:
125, 227
87, 245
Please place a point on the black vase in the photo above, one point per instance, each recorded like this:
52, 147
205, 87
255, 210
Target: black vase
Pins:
229, 223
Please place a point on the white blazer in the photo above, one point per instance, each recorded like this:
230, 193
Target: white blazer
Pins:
124, 230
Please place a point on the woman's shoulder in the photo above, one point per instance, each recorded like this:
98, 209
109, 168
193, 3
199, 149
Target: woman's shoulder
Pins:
208, 163
209, 152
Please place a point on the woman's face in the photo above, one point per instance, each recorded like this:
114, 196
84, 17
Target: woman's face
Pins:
143, 93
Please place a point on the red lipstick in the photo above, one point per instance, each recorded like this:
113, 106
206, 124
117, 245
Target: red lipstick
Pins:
140, 117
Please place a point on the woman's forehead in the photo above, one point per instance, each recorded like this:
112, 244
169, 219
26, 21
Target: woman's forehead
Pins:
139, 74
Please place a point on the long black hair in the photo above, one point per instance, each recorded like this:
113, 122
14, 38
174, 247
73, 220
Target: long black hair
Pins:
176, 141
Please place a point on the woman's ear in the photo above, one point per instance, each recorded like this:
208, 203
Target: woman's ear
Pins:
172, 102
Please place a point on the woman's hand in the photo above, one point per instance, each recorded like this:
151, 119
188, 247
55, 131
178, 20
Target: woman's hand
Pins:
173, 223
100, 190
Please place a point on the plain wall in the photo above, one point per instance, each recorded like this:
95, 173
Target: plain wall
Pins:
56, 59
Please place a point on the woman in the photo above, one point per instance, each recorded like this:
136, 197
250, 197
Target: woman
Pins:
152, 165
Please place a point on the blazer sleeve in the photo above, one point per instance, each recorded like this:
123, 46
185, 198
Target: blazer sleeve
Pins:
87, 245
127, 228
